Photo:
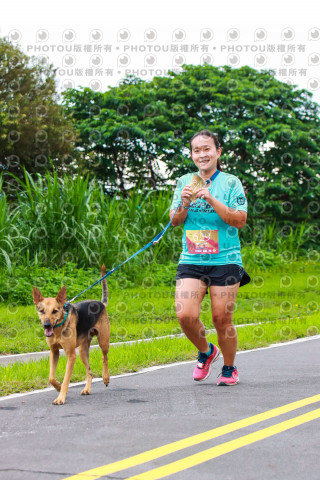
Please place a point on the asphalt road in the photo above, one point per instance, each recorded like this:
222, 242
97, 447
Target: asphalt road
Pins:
138, 413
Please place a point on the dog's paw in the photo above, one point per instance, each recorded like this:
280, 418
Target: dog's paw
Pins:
85, 391
55, 384
59, 401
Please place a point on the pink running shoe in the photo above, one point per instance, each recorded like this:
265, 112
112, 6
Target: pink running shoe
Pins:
228, 376
203, 367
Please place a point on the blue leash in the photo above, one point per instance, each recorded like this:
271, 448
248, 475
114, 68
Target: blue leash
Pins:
153, 242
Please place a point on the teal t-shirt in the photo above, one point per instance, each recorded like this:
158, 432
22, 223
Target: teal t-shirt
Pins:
207, 239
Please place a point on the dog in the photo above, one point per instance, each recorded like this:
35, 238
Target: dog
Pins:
70, 326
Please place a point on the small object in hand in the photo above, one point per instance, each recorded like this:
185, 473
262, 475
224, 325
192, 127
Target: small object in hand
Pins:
196, 183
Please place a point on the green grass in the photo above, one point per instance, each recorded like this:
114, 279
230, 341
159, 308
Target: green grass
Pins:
53, 220
283, 298
21, 377
279, 293
56, 220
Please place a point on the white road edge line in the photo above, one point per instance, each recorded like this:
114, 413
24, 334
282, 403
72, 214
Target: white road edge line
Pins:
158, 367
45, 353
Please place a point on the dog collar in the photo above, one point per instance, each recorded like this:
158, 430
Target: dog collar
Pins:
66, 307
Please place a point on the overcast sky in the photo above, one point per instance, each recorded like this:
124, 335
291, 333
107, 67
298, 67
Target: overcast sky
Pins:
96, 43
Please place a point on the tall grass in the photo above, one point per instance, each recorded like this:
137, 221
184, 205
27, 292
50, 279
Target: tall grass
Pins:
11, 238
58, 220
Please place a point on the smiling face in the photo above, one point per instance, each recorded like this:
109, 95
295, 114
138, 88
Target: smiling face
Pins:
50, 310
205, 155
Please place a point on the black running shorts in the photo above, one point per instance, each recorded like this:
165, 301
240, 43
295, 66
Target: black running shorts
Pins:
218, 275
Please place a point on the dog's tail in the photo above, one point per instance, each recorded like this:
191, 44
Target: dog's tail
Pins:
104, 285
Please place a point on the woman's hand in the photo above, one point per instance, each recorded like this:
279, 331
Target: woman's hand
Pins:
203, 193
186, 195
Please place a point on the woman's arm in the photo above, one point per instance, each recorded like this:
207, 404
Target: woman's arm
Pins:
231, 216
182, 213
179, 217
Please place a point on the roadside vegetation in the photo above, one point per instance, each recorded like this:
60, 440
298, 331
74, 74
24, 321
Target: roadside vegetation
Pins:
21, 377
59, 223
147, 310
277, 306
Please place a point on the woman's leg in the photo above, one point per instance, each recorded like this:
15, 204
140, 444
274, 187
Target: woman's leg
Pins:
189, 295
223, 300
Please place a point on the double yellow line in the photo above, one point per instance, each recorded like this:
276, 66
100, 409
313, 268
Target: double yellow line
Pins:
210, 453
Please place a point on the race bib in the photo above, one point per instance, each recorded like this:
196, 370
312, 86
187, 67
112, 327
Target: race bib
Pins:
202, 241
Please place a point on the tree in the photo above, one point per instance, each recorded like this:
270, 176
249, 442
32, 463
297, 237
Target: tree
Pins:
269, 132
117, 142
35, 132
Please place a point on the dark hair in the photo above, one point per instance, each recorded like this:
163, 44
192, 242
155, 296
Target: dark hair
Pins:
207, 133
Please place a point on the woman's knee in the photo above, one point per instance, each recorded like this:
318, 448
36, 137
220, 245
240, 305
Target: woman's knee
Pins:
186, 320
222, 321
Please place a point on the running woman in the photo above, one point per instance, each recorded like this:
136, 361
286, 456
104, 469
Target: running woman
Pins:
211, 256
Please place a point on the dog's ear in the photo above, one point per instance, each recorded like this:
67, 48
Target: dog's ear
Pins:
37, 295
62, 296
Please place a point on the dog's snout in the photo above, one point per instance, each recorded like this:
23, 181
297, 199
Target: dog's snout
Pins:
47, 323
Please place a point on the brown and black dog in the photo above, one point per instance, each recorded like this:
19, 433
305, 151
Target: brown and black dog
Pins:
74, 328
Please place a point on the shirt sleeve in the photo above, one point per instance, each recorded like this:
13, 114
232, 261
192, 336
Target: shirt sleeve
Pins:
237, 198
177, 193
